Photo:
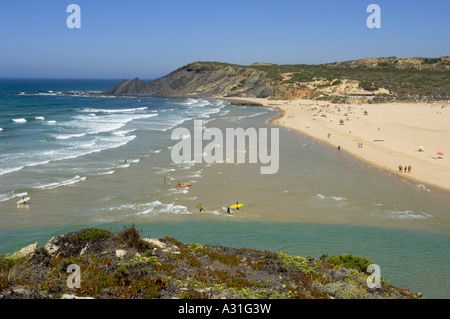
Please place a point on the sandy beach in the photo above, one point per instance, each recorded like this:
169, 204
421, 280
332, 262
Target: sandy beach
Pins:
384, 135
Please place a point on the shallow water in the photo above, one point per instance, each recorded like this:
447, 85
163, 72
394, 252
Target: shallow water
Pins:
103, 162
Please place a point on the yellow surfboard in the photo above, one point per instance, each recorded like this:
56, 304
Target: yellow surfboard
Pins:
236, 205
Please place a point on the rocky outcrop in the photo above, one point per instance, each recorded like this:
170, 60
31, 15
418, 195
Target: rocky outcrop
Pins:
135, 87
124, 265
201, 79
388, 76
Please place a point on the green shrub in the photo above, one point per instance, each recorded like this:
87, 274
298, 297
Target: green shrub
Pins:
337, 82
133, 239
88, 234
368, 86
431, 60
121, 274
350, 262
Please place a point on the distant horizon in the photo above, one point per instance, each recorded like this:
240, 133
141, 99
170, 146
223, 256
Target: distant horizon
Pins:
168, 71
147, 39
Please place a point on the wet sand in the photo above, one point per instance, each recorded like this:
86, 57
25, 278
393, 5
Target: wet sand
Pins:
384, 135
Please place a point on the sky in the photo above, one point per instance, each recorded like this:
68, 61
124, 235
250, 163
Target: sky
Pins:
148, 39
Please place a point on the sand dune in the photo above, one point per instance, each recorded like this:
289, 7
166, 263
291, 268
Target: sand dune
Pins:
384, 135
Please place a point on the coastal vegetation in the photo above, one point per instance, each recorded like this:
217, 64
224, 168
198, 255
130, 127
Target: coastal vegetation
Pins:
414, 76
125, 265
401, 79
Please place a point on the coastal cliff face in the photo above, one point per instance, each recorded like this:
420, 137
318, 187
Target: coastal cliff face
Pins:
381, 76
201, 79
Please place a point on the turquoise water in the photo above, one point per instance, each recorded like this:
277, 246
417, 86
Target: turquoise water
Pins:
68, 153
416, 260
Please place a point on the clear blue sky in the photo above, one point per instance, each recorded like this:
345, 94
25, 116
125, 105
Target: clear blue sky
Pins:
147, 38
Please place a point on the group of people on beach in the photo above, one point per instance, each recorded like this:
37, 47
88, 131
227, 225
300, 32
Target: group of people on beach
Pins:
404, 169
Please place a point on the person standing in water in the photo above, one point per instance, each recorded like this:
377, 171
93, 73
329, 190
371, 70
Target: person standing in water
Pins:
237, 205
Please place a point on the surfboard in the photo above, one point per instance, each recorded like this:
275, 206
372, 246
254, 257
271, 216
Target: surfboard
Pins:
23, 200
236, 205
183, 185
200, 207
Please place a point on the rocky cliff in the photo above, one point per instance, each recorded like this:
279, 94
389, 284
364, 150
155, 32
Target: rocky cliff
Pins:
202, 79
381, 76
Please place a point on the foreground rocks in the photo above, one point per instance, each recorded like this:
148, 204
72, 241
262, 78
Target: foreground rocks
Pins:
124, 265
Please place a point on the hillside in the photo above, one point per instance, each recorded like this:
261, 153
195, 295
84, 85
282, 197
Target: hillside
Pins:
124, 265
382, 76
202, 79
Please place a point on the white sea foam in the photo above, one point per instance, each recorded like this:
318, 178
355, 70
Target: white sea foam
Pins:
423, 187
21, 120
103, 124
66, 182
212, 212
40, 118
169, 124
153, 208
338, 199
407, 214
164, 170
4, 171
91, 110
10, 195
256, 114
76, 150
1, 129
51, 122
123, 132
168, 209
67, 136
189, 101
197, 174
107, 173
179, 190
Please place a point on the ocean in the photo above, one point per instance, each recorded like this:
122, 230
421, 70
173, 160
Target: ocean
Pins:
106, 162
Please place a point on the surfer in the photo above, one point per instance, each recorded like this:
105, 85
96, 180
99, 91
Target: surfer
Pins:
228, 211
237, 205
200, 208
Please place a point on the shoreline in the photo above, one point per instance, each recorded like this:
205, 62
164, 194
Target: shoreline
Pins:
375, 137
